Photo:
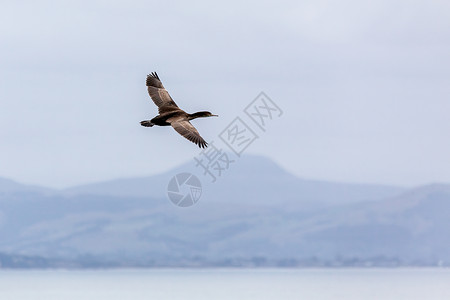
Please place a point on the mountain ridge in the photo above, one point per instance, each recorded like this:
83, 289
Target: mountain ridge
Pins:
253, 215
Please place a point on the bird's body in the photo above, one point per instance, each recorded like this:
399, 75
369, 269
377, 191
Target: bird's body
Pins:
161, 120
170, 114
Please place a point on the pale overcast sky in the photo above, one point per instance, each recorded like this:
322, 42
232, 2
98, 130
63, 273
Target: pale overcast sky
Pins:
364, 86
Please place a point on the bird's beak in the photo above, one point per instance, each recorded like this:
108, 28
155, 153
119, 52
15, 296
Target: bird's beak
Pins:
215, 115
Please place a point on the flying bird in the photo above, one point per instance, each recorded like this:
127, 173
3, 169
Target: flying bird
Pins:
171, 114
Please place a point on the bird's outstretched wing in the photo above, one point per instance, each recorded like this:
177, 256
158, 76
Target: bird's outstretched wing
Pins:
186, 129
159, 94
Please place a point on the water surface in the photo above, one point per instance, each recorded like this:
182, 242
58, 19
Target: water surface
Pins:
314, 284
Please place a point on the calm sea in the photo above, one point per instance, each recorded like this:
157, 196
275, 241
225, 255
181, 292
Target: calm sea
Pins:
320, 284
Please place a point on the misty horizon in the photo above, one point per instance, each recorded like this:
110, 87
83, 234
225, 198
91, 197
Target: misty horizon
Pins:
189, 163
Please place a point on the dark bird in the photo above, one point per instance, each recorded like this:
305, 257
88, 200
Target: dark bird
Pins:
171, 114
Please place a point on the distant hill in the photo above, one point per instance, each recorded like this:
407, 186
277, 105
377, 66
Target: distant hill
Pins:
8, 186
257, 214
411, 227
249, 179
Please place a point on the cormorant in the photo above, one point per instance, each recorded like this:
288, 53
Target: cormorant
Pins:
171, 114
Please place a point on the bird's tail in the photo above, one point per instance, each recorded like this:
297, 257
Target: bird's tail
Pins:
147, 123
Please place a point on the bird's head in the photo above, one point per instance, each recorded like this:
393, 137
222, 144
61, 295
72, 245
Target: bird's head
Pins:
208, 114
201, 114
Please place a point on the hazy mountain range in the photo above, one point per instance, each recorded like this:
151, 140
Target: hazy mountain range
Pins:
255, 214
